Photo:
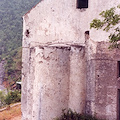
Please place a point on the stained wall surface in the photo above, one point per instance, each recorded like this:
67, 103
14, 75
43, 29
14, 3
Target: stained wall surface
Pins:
48, 86
63, 69
61, 21
102, 82
77, 86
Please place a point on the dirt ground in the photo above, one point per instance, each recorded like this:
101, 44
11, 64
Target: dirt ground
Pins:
16, 118
11, 113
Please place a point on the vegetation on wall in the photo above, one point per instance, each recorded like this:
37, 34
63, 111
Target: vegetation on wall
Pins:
109, 21
70, 115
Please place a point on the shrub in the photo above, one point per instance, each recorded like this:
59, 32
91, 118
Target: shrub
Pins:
70, 115
8, 99
2, 98
13, 97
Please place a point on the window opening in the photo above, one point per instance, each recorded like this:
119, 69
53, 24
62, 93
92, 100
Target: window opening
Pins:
118, 104
82, 4
87, 32
27, 33
86, 35
118, 68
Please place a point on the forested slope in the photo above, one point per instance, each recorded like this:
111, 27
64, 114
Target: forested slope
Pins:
11, 12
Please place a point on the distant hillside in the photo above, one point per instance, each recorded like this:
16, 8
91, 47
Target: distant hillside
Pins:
13, 68
11, 12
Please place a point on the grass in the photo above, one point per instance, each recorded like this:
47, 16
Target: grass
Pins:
10, 113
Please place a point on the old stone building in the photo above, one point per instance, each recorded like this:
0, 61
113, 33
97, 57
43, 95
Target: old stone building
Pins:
66, 64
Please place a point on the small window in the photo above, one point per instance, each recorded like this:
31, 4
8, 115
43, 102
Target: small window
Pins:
27, 33
82, 4
118, 68
118, 106
86, 35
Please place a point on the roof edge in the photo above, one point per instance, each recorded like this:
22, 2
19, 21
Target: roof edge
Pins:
32, 8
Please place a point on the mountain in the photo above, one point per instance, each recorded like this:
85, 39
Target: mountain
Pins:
11, 12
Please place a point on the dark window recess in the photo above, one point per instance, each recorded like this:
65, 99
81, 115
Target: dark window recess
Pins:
118, 106
82, 4
27, 33
118, 68
86, 35
87, 32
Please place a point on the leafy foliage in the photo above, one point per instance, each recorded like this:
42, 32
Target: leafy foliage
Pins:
70, 115
109, 20
10, 97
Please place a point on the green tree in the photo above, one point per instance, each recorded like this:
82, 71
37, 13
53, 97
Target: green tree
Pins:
110, 20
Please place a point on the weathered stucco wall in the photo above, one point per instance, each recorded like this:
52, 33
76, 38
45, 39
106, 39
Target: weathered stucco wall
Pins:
77, 88
61, 21
63, 69
62, 76
102, 81
49, 81
52, 76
